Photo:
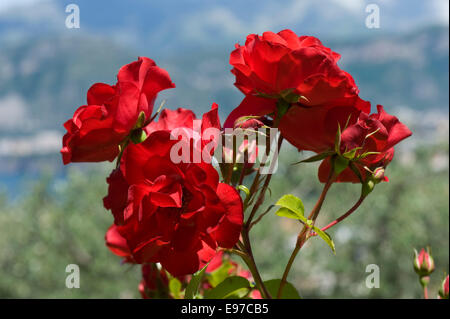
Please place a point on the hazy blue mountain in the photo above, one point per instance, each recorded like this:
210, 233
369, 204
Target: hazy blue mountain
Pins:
43, 80
176, 25
46, 69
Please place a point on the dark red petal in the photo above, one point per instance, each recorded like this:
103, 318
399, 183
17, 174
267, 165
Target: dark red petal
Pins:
230, 226
179, 263
117, 197
251, 106
116, 243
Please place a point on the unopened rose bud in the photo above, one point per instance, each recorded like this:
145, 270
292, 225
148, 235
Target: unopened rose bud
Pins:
378, 174
423, 263
247, 122
443, 291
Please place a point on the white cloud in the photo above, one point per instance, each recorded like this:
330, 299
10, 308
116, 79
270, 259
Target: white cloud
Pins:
354, 6
13, 111
220, 19
5, 5
441, 8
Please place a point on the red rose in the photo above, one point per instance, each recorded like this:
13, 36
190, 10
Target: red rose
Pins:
314, 128
173, 211
375, 133
275, 64
96, 129
285, 77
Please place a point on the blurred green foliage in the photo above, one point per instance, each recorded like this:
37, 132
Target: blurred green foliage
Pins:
62, 221
411, 211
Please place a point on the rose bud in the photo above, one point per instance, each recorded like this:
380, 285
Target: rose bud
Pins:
443, 291
378, 174
423, 263
248, 122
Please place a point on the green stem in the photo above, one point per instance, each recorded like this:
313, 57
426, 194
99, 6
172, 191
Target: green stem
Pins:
262, 193
250, 261
348, 213
304, 234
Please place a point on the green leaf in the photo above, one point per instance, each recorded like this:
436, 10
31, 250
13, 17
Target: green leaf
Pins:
138, 136
317, 157
292, 203
269, 96
285, 212
362, 156
192, 287
352, 153
175, 287
282, 108
289, 291
340, 164
326, 237
337, 140
234, 286
220, 274
140, 121
289, 96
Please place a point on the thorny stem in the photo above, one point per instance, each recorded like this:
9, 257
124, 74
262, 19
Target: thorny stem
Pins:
304, 234
259, 201
261, 216
241, 177
348, 213
250, 261
262, 193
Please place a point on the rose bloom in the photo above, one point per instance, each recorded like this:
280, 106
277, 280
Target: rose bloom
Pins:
286, 66
176, 214
98, 128
273, 63
314, 128
375, 133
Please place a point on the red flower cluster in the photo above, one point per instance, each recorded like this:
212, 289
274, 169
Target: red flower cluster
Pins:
168, 212
296, 81
177, 212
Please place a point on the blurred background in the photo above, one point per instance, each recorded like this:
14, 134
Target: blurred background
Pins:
52, 216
